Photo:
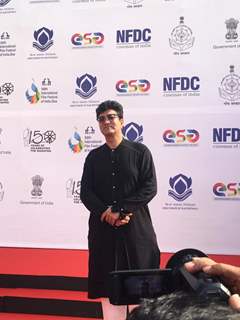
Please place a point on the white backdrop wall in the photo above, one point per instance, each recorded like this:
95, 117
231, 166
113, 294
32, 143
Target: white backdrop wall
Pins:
175, 67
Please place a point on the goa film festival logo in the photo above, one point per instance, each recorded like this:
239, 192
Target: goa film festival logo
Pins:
181, 137
91, 39
86, 86
4, 2
181, 187
229, 191
37, 184
43, 37
73, 190
133, 87
133, 132
75, 143
230, 87
1, 191
231, 25
181, 37
33, 94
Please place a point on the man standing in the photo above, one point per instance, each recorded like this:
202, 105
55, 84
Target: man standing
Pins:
117, 183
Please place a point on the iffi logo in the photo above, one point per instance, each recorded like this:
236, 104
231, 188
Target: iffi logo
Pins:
226, 135
43, 39
133, 132
230, 86
87, 39
227, 191
75, 143
33, 94
180, 187
133, 36
4, 2
87, 86
181, 137
133, 86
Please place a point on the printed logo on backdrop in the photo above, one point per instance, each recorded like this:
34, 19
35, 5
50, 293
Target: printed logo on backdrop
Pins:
182, 138
4, 7
87, 143
6, 90
133, 132
87, 40
181, 86
133, 87
38, 141
229, 89
230, 35
73, 190
43, 1
133, 38
182, 38
47, 95
226, 191
1, 191
89, 1
43, 41
86, 87
226, 138
36, 193
180, 191
134, 3
3, 151
7, 48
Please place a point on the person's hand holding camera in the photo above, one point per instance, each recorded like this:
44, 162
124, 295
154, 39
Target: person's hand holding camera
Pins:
229, 275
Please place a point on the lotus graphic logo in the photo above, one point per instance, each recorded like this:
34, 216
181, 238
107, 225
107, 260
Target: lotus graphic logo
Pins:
4, 2
181, 37
33, 95
133, 132
76, 144
230, 86
43, 39
181, 187
86, 86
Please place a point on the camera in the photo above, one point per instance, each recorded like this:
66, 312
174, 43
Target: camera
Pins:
128, 287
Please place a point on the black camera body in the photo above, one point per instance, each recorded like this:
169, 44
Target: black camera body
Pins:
131, 286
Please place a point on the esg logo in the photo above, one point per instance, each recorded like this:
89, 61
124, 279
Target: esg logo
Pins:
181, 136
95, 38
232, 189
133, 86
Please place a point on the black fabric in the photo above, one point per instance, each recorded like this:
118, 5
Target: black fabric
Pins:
124, 178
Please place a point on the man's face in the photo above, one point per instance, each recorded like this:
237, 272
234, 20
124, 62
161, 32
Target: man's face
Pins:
109, 123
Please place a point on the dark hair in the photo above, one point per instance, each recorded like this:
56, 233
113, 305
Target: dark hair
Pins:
110, 104
184, 306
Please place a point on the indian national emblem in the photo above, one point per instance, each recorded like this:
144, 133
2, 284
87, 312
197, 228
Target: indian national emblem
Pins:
231, 25
181, 37
1, 191
37, 183
230, 86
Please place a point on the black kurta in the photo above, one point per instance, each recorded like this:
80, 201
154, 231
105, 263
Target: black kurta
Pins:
123, 178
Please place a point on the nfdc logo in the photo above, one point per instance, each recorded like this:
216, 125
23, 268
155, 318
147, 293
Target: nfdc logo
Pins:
133, 38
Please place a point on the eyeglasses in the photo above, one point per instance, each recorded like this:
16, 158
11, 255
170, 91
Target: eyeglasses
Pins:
109, 117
